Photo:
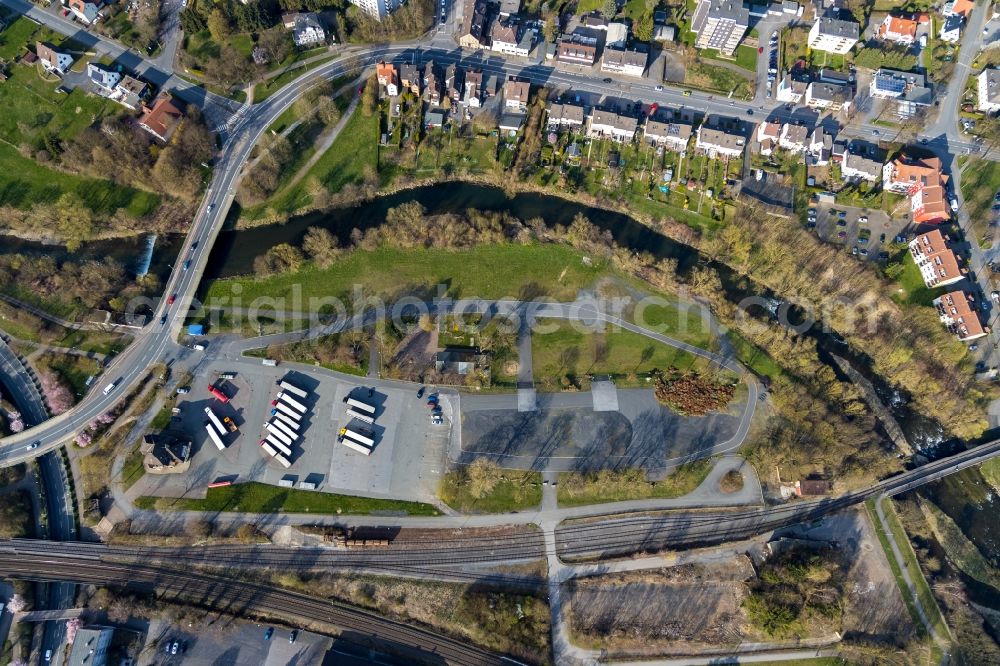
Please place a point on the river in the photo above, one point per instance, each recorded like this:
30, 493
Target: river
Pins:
132, 252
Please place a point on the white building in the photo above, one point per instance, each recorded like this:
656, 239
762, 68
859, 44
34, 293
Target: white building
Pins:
833, 35
52, 60
720, 24
793, 138
103, 79
859, 167
790, 90
629, 63
306, 28
951, 29
608, 124
719, 143
828, 96
377, 9
988, 86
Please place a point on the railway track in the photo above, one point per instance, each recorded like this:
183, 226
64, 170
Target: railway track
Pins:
242, 598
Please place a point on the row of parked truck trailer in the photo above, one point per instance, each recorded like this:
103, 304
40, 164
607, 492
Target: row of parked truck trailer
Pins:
354, 436
284, 426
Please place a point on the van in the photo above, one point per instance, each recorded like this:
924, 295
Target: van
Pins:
109, 388
270, 362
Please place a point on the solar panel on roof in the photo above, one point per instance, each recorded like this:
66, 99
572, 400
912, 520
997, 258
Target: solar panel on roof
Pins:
890, 84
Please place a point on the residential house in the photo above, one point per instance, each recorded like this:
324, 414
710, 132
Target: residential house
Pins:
431, 84
612, 125
819, 148
102, 78
434, 118
503, 38
937, 263
898, 29
720, 24
473, 88
409, 77
672, 136
90, 646
509, 7
307, 30
565, 115
515, 94
629, 63
164, 454
130, 92
829, 96
574, 52
453, 84
951, 29
856, 166
767, 137
162, 118
791, 90
86, 12
617, 36
988, 87
511, 121
665, 33
924, 182
387, 77
473, 32
909, 89
961, 8
833, 35
458, 360
719, 143
793, 138
52, 60
957, 311
827, 75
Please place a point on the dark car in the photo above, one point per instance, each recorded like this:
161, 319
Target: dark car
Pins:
292, 636
749, 112
607, 80
420, 392
842, 234
268, 633
163, 320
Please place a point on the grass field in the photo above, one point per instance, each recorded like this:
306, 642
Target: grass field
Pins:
753, 357
980, 181
607, 486
516, 491
911, 283
354, 151
678, 320
262, 498
32, 107
565, 349
262, 91
484, 272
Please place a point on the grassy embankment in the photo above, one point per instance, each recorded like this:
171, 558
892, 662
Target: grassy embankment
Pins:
262, 498
608, 486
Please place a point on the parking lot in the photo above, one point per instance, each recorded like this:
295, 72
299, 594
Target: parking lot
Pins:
222, 641
863, 232
405, 462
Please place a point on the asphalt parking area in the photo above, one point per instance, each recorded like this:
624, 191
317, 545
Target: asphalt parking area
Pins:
566, 434
863, 232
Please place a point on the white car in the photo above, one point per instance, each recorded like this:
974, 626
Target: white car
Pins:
954, 205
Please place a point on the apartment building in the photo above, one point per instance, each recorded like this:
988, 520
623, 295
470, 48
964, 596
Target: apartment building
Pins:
988, 88
924, 182
720, 24
833, 35
629, 63
957, 311
378, 9
937, 263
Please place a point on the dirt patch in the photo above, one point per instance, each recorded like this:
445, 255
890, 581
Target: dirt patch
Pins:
731, 482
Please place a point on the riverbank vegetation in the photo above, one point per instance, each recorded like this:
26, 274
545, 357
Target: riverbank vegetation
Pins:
482, 487
576, 488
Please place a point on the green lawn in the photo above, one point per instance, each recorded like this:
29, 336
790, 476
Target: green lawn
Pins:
262, 498
686, 322
133, 470
714, 78
563, 349
517, 491
355, 149
487, 271
19, 33
608, 486
980, 181
753, 357
264, 90
23, 182
912, 289
745, 57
